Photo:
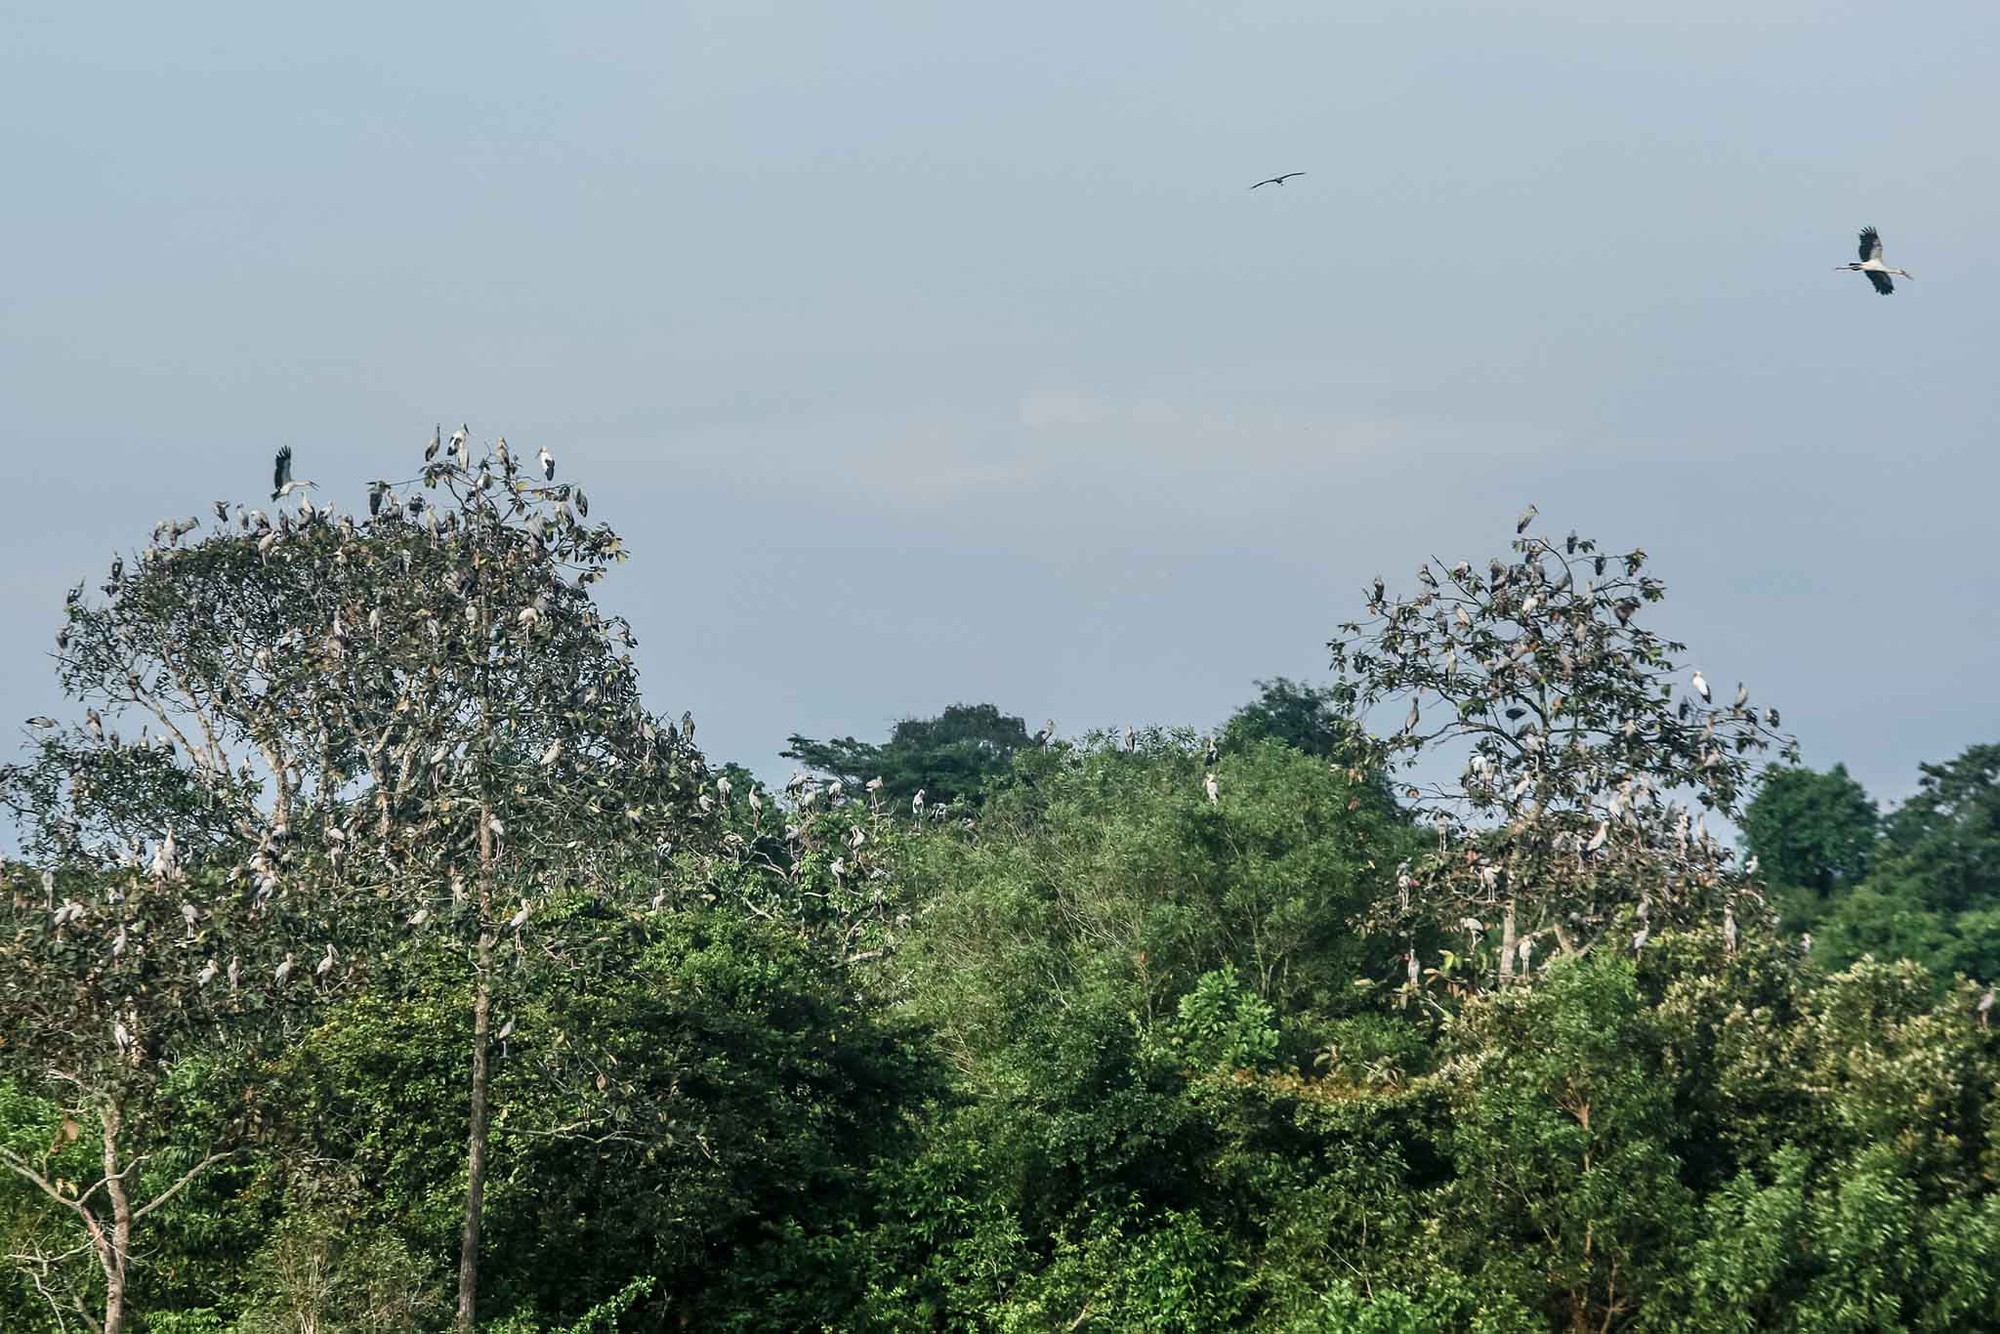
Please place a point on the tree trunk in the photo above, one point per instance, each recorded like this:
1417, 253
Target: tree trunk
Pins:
117, 1249
475, 1152
1507, 945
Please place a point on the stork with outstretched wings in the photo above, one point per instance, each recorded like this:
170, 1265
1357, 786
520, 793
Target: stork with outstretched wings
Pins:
1872, 265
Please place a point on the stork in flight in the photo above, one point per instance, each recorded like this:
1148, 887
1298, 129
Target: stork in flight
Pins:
1872, 265
1278, 180
281, 475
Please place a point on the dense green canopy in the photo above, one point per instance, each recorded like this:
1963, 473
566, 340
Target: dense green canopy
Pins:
1273, 1025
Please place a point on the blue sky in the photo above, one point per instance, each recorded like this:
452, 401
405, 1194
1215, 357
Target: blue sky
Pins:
926, 355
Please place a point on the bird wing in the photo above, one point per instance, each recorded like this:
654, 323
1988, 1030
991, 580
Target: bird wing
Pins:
1288, 175
1881, 281
283, 471
1871, 244
1270, 181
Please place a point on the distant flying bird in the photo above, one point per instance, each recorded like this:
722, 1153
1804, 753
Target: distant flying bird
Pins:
1278, 180
282, 483
1872, 265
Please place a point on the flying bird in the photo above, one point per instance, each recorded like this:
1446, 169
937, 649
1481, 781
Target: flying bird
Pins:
1872, 265
1278, 180
282, 483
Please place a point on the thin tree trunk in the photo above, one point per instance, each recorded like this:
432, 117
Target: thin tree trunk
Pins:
475, 1154
119, 1248
1507, 945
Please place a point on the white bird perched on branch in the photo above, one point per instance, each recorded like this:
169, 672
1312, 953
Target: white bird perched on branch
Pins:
519, 919
917, 803
1209, 786
1700, 686
1872, 265
284, 969
543, 457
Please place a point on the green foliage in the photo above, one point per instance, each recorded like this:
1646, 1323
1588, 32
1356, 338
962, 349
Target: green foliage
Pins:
1154, 1032
1812, 831
960, 755
1306, 718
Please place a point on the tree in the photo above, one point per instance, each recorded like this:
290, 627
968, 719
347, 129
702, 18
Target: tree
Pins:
957, 756
420, 712
1813, 831
1306, 718
1577, 744
1947, 836
137, 1006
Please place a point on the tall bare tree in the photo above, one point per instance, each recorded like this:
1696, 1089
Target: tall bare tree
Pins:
419, 710
1585, 747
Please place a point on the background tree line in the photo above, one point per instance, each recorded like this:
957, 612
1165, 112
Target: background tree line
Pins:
376, 960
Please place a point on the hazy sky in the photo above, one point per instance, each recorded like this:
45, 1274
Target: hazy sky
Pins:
927, 355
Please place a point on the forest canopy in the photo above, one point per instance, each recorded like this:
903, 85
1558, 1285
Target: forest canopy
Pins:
377, 956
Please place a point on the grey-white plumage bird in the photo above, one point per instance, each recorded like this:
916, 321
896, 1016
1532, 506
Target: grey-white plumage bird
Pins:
1209, 785
1872, 264
283, 970
543, 457
282, 481
1700, 686
520, 918
1527, 517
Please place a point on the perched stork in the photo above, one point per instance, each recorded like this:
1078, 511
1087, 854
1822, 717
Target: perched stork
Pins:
1872, 265
1278, 180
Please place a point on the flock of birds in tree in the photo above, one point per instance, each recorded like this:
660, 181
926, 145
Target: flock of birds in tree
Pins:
165, 865
1871, 262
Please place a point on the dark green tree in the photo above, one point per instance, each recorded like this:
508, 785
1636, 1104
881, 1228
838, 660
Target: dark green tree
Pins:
1946, 838
957, 756
1811, 831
